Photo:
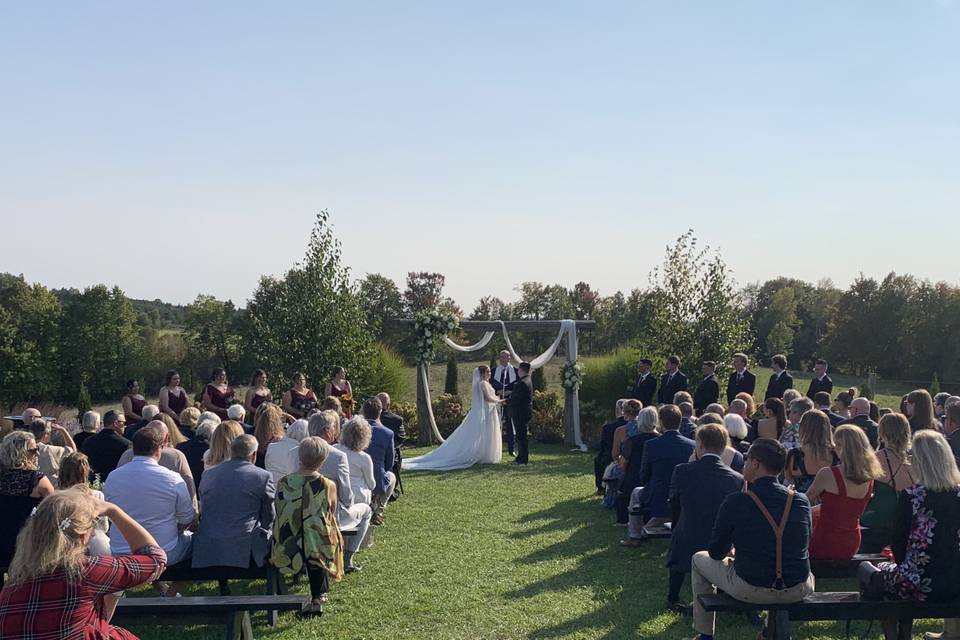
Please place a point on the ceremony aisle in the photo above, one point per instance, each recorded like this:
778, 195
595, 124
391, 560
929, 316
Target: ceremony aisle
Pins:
505, 552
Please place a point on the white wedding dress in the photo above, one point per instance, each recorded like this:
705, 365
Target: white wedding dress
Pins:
475, 441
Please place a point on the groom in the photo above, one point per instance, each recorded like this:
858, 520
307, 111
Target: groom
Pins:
521, 408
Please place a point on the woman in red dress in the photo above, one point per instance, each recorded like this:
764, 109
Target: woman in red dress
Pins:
340, 388
844, 492
257, 393
133, 403
300, 400
173, 397
54, 590
218, 395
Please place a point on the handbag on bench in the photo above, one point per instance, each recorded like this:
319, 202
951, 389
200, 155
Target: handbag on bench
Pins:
871, 582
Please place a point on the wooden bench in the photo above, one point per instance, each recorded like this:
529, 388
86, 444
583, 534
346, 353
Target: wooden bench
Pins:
843, 568
840, 605
233, 610
183, 572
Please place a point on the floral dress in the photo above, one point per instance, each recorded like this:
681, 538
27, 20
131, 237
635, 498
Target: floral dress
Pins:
305, 533
926, 546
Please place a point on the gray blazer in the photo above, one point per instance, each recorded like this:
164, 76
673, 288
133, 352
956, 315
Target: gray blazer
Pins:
337, 469
236, 521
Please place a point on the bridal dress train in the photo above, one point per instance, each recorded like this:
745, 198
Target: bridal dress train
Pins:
475, 441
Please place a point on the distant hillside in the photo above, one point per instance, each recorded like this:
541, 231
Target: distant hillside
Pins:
158, 314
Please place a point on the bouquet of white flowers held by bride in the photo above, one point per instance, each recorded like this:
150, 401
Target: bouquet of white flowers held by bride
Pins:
429, 325
570, 375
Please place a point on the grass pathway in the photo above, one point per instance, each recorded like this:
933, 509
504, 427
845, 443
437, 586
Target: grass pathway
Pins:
504, 552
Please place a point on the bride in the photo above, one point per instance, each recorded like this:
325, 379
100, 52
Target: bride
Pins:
476, 440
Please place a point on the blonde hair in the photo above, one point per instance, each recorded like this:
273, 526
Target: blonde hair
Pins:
312, 452
190, 417
356, 434
13, 451
894, 431
225, 433
815, 431
74, 470
332, 403
933, 462
268, 425
858, 458
176, 436
52, 538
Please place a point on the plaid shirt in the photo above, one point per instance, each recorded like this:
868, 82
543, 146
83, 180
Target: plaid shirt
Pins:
51, 607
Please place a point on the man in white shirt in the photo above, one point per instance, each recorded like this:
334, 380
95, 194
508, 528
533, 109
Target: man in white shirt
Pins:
170, 458
154, 496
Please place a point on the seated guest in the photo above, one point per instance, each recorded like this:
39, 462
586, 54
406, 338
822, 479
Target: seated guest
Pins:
822, 402
605, 447
22, 486
105, 448
170, 458
729, 456
176, 436
844, 400
305, 532
682, 396
354, 439
133, 403
660, 456
236, 503
816, 451
697, 490
789, 396
238, 414
715, 407
708, 391
758, 522
278, 453
173, 398
738, 430
795, 410
350, 515
687, 425
394, 422
218, 395
154, 496
875, 411
920, 411
641, 428
330, 403
219, 451
739, 407
951, 428
925, 533
750, 412
268, 429
774, 421
54, 589
843, 492
75, 472
195, 449
211, 417
50, 454
149, 413
894, 457
189, 419
381, 451
940, 405
89, 425
860, 417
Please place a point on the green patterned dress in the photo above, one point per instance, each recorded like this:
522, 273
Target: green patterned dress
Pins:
305, 532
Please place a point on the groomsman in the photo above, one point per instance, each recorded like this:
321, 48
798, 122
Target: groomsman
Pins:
741, 380
646, 385
821, 381
780, 381
503, 379
708, 391
672, 381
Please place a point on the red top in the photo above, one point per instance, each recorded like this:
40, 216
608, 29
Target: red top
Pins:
137, 405
836, 532
52, 607
177, 403
219, 399
337, 392
259, 399
296, 398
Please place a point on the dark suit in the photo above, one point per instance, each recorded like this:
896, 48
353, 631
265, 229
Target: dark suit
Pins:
954, 440
670, 386
645, 388
605, 450
869, 427
382, 452
504, 379
817, 385
395, 423
835, 418
104, 450
521, 409
708, 392
778, 385
660, 456
737, 384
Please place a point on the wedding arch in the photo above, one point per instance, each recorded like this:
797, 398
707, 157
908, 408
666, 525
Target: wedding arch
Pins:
430, 325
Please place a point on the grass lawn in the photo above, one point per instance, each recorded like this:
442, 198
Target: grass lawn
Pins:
504, 552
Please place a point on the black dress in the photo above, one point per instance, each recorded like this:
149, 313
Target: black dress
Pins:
16, 505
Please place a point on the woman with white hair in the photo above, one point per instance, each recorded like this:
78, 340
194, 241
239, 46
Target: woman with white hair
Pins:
89, 425
277, 458
354, 439
730, 456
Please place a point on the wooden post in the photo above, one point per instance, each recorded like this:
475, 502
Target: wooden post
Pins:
424, 432
568, 404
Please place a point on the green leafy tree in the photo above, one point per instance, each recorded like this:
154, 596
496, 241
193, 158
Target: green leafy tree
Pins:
30, 317
935, 384
451, 380
311, 319
84, 403
538, 379
382, 301
214, 334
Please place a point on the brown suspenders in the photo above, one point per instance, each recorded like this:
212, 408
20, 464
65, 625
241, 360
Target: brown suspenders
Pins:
777, 530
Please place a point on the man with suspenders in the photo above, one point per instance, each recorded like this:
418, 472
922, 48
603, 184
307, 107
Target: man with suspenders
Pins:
768, 526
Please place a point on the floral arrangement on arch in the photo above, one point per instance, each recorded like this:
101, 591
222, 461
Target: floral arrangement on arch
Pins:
429, 325
571, 374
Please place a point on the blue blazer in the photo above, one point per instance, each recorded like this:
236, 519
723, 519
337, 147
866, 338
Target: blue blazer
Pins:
696, 492
382, 452
660, 456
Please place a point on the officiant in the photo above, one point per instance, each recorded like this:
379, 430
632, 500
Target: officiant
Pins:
503, 378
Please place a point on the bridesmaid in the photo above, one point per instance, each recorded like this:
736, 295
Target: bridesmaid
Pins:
299, 400
133, 403
340, 388
217, 395
173, 397
257, 393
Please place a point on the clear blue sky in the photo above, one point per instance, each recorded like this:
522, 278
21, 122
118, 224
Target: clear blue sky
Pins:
173, 149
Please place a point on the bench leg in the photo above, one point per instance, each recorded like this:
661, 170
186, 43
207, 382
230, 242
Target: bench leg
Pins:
273, 577
224, 587
778, 625
239, 626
